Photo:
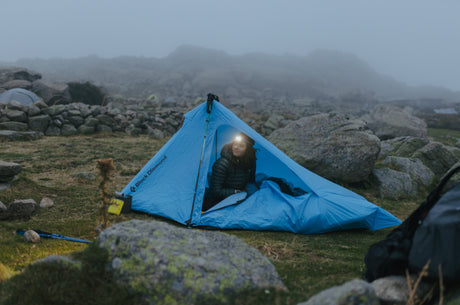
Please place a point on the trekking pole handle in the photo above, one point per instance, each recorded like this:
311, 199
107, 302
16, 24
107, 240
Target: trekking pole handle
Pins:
211, 98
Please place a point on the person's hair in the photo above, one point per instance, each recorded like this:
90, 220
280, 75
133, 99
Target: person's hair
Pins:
248, 160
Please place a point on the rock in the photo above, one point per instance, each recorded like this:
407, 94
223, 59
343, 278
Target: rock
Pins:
155, 133
401, 146
60, 260
76, 120
53, 130
4, 186
58, 121
22, 208
455, 151
15, 126
8, 170
41, 104
11, 135
394, 290
91, 122
17, 83
274, 122
394, 184
85, 129
331, 145
133, 131
388, 122
436, 156
55, 110
105, 120
414, 167
31, 236
68, 130
16, 115
39, 123
14, 73
355, 292
2, 207
15, 105
46, 203
85, 176
52, 93
73, 110
33, 110
103, 128
160, 262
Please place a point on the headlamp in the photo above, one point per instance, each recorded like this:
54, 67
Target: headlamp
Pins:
241, 137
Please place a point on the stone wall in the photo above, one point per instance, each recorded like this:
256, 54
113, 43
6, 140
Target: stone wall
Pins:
79, 118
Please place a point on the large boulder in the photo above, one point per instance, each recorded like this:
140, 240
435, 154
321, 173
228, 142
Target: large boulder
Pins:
17, 83
331, 145
437, 157
14, 73
52, 93
412, 166
388, 122
163, 262
434, 155
401, 146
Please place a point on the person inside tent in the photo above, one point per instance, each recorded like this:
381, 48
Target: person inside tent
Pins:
233, 172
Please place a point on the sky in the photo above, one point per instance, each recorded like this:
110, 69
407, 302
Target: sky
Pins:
413, 41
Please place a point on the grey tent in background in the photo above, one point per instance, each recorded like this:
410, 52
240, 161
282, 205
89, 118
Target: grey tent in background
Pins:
23, 96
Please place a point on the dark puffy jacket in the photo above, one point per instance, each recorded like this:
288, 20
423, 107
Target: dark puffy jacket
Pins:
228, 176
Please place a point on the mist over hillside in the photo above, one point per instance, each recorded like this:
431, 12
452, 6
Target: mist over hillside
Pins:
189, 72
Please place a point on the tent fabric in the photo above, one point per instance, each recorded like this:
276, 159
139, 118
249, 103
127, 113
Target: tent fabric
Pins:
173, 182
23, 96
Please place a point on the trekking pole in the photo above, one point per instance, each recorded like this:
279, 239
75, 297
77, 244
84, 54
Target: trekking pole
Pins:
211, 98
55, 236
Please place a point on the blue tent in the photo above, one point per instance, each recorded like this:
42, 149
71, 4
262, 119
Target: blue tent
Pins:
173, 182
23, 96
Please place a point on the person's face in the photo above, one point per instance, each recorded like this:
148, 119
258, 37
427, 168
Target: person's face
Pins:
239, 148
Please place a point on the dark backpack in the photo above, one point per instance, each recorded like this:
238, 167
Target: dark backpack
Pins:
390, 256
437, 239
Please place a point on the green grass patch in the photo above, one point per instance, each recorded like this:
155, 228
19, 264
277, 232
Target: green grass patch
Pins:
445, 136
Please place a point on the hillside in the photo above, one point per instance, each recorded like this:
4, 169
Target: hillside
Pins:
189, 72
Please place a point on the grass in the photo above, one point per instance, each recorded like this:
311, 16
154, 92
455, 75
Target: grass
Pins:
449, 137
307, 264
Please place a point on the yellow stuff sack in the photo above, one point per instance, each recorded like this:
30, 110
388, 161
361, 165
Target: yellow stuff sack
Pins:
115, 206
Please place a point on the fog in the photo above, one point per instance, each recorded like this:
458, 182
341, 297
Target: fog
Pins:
413, 41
